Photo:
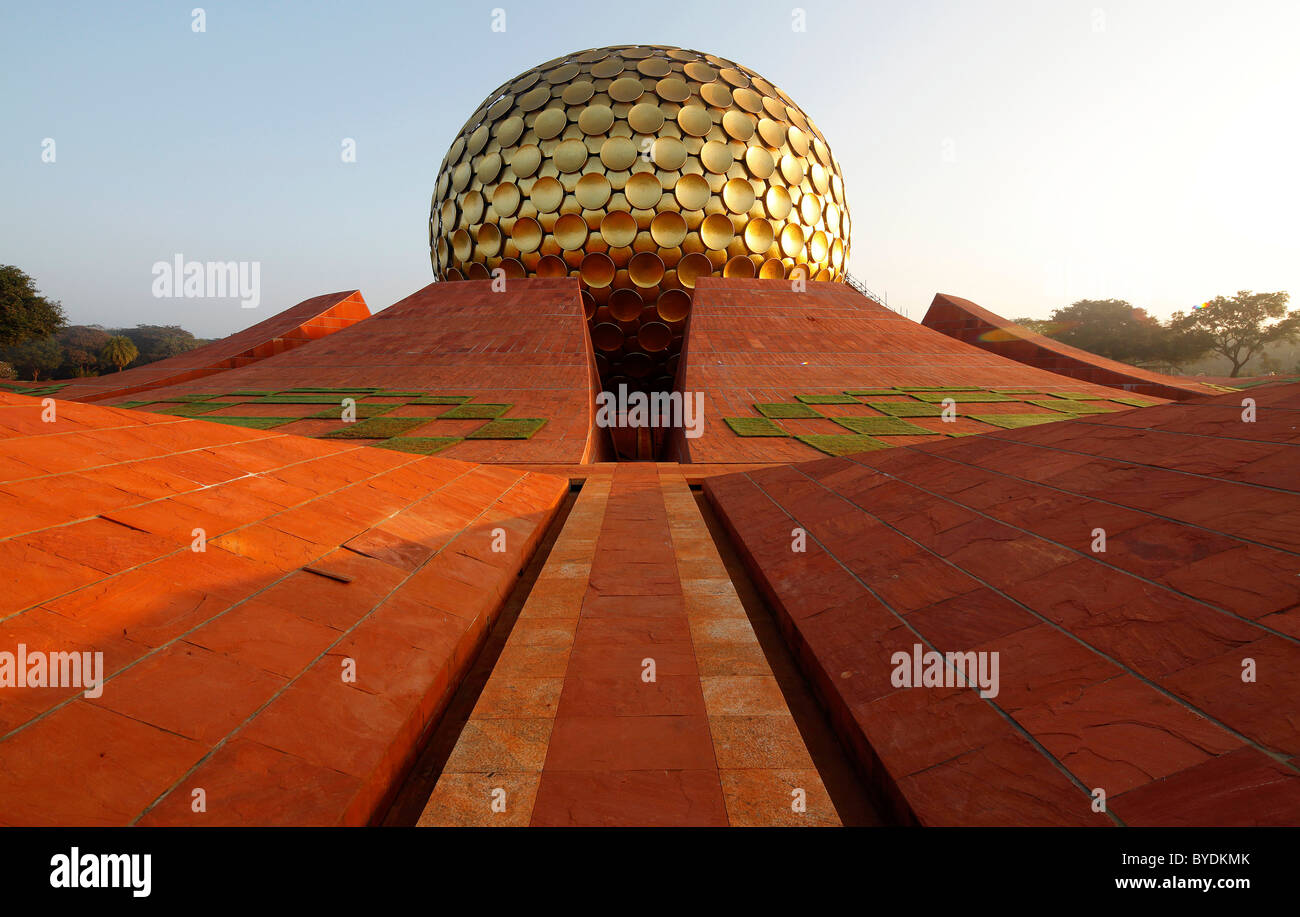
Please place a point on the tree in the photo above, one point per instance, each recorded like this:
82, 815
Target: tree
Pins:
157, 342
1110, 328
118, 352
35, 356
24, 312
81, 346
1240, 326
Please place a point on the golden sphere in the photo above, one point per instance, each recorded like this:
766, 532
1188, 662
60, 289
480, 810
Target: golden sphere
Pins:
638, 170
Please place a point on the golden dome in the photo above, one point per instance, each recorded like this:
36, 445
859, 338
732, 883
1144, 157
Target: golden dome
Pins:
638, 170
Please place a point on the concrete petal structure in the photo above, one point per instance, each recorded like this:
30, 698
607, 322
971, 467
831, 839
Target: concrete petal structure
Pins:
962, 319
308, 321
372, 635
1121, 669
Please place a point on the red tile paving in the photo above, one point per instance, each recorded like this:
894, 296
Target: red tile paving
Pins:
1120, 670
223, 667
526, 347
570, 731
756, 341
308, 321
965, 321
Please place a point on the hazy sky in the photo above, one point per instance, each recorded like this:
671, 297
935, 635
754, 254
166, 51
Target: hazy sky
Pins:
1020, 154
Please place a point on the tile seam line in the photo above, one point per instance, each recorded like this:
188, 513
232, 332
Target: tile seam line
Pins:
163, 455
1132, 509
179, 637
1011, 721
342, 636
1085, 496
181, 548
1193, 708
1053, 447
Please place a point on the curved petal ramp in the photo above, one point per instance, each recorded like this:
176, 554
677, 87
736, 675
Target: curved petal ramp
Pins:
308, 321
283, 674
1137, 576
964, 320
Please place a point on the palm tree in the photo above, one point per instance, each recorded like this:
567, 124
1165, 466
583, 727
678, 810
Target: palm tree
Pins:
118, 351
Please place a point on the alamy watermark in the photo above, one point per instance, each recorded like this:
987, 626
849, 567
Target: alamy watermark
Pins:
181, 279
656, 409
38, 669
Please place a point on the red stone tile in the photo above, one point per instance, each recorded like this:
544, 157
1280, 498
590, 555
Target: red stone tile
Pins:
84, 765
1244, 788
646, 798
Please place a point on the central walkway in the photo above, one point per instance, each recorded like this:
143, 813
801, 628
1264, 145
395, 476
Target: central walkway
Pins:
632, 689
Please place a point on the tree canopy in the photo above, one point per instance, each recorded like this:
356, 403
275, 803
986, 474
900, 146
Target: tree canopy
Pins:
24, 312
1238, 327
118, 351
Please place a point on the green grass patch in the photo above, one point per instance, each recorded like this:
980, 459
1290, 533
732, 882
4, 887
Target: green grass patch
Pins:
841, 444
509, 428
256, 423
191, 399
252, 393
1076, 396
882, 426
754, 426
387, 393
376, 428
907, 408
475, 412
1015, 421
784, 410
826, 399
440, 399
195, 408
1067, 406
1018, 391
1133, 402
867, 392
939, 388
364, 411
970, 395
420, 445
131, 404
342, 391
309, 399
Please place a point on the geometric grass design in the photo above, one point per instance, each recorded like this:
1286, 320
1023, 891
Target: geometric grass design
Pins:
1070, 407
420, 445
826, 399
783, 410
960, 396
508, 428
754, 426
882, 426
376, 428
475, 412
255, 423
1013, 421
191, 409
907, 409
363, 411
841, 444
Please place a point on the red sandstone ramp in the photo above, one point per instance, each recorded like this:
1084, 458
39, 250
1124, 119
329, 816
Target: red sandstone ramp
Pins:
481, 375
308, 321
965, 321
1120, 670
289, 669
786, 375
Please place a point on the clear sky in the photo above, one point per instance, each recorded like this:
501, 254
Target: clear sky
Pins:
1021, 154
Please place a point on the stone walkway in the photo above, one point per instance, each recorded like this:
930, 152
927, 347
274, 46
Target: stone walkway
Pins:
632, 689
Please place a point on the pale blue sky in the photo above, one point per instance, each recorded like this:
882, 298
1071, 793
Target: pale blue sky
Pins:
1143, 150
